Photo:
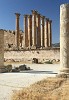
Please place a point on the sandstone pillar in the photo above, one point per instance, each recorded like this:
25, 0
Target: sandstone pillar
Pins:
42, 31
39, 31
2, 51
34, 28
49, 33
30, 30
17, 30
46, 33
64, 38
26, 30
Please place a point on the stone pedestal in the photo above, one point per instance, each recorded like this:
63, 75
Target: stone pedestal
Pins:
64, 39
17, 30
2, 68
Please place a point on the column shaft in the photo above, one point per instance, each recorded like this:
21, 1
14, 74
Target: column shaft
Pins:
26, 31
42, 30
64, 38
39, 32
49, 33
30, 30
34, 28
46, 33
17, 30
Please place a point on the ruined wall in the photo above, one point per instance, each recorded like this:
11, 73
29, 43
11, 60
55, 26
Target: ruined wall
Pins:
9, 39
27, 56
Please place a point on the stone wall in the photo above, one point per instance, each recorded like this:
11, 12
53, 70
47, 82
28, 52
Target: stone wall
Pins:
9, 39
28, 55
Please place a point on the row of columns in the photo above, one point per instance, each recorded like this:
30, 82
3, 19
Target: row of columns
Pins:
37, 29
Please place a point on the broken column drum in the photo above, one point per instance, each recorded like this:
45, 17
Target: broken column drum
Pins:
64, 38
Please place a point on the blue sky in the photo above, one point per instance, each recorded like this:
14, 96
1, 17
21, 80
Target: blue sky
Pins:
49, 8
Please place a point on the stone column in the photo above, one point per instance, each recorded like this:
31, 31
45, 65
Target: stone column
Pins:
2, 51
64, 38
50, 33
42, 31
17, 30
30, 30
39, 31
34, 13
46, 33
26, 30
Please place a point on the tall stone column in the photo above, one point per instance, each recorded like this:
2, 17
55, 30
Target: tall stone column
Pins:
39, 31
64, 38
2, 51
26, 30
30, 30
42, 31
34, 13
46, 33
50, 33
17, 30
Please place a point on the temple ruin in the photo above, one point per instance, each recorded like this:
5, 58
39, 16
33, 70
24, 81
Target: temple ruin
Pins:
37, 31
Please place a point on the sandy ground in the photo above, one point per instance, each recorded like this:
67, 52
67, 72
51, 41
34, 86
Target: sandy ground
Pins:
9, 82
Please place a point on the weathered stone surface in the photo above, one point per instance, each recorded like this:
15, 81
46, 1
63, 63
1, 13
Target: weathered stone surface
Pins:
64, 38
28, 55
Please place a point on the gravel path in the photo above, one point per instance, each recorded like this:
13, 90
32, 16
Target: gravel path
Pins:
9, 82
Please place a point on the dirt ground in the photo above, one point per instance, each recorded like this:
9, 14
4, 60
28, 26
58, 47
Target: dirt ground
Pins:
48, 89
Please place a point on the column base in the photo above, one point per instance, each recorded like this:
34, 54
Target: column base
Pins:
64, 70
64, 73
33, 47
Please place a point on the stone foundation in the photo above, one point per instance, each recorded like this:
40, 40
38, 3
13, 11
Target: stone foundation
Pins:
28, 55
